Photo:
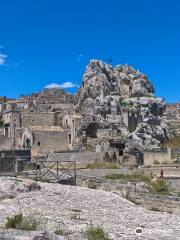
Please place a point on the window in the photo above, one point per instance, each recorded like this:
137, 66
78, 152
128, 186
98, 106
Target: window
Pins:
39, 144
69, 138
120, 152
66, 123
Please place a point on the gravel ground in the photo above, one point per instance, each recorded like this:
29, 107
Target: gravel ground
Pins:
74, 208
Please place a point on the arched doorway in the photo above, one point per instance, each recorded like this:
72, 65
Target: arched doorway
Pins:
91, 130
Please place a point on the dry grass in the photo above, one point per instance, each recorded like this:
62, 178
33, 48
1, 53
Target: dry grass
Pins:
173, 142
102, 165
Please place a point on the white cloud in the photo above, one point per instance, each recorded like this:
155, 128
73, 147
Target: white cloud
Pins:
2, 59
79, 57
63, 85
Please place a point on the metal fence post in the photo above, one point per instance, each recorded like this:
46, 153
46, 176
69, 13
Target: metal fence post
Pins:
74, 173
36, 169
57, 170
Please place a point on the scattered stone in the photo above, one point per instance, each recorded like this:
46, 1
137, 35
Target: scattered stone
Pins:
118, 217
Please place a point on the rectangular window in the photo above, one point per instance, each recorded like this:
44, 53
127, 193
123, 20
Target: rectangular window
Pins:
69, 138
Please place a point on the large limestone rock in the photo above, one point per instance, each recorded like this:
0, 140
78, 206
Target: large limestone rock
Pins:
106, 93
149, 127
99, 100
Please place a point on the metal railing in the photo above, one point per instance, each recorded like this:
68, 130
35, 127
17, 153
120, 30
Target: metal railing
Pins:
63, 172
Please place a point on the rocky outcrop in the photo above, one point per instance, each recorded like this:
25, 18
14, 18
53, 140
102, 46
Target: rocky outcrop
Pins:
10, 187
146, 122
74, 209
118, 106
99, 103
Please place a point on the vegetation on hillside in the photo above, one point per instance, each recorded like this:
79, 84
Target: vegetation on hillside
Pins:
173, 142
129, 177
1, 123
157, 187
102, 165
19, 222
96, 233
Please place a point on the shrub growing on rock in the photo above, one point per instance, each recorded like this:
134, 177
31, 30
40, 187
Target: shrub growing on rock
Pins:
156, 162
160, 187
96, 233
59, 232
15, 221
19, 222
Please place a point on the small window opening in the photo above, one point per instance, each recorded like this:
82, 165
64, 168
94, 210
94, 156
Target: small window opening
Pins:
69, 138
120, 152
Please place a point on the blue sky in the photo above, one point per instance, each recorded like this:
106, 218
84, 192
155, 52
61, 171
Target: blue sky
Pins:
51, 41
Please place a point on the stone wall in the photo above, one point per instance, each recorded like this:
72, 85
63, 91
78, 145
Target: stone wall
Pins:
160, 156
11, 122
79, 157
168, 171
175, 126
50, 141
173, 111
125, 115
38, 119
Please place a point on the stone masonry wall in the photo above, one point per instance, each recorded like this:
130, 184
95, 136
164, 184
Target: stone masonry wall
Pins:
50, 141
162, 156
38, 119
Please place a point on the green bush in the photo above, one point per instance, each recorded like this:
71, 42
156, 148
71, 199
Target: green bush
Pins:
178, 194
59, 232
102, 165
19, 222
15, 221
29, 225
155, 209
156, 162
96, 233
1, 123
160, 187
129, 177
157, 187
148, 95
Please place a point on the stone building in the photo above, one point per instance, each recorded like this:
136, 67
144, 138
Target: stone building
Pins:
172, 115
2, 103
50, 99
11, 105
40, 132
173, 111
45, 139
169, 154
72, 123
25, 103
12, 120
7, 104
16, 119
38, 119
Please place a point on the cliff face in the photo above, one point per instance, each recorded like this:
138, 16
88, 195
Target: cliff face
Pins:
118, 106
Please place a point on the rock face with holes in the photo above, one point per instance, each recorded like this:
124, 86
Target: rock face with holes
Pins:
118, 106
